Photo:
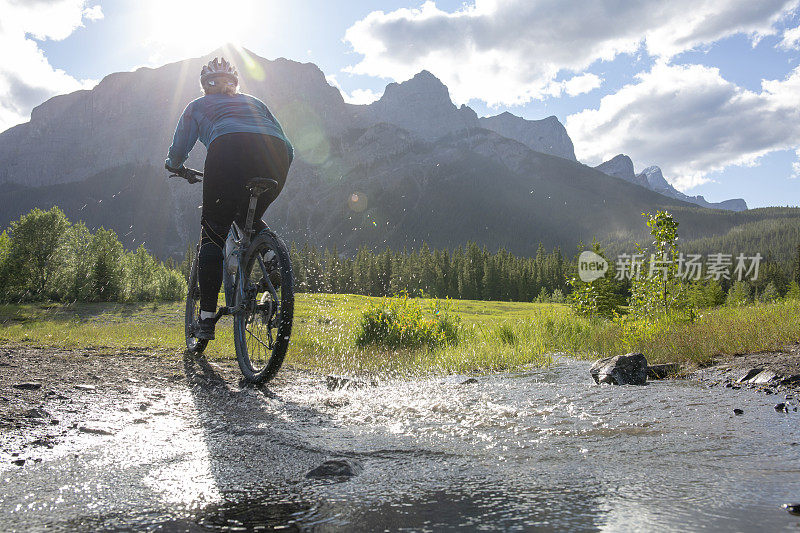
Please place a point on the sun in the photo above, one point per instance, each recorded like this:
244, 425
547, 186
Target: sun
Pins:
191, 27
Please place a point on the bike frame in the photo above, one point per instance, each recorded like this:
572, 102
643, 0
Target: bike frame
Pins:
234, 302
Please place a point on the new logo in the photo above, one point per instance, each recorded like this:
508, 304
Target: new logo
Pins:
591, 266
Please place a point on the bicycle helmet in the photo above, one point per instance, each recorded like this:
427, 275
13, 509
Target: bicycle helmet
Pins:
217, 68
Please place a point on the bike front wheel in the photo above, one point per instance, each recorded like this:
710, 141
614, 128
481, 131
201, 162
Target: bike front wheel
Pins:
262, 322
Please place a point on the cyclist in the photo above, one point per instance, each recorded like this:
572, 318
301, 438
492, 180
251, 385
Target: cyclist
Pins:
244, 141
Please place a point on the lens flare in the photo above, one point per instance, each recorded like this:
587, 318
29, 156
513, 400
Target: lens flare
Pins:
357, 202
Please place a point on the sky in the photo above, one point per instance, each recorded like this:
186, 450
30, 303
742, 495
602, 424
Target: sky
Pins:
709, 90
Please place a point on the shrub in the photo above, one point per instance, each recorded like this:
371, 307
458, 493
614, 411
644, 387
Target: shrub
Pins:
107, 272
506, 334
401, 322
769, 294
170, 285
598, 298
738, 294
794, 291
705, 294
5, 247
72, 264
558, 297
662, 292
35, 238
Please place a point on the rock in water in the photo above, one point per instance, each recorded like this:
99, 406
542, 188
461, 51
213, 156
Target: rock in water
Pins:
336, 468
28, 386
628, 369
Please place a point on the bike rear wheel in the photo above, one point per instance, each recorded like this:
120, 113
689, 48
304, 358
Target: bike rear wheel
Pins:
263, 324
192, 314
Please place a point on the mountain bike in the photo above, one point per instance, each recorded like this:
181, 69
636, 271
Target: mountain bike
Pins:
259, 291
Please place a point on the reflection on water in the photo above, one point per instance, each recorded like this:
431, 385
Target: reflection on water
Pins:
544, 450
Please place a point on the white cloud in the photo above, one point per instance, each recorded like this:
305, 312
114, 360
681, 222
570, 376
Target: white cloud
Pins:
93, 13
791, 39
511, 51
690, 121
358, 96
574, 86
361, 96
26, 76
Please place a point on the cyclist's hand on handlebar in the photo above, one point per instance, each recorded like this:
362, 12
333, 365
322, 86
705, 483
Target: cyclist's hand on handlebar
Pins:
188, 174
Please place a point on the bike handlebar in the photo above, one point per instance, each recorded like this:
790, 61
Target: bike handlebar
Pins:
189, 174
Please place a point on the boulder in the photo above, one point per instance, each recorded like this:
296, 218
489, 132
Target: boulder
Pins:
628, 369
336, 468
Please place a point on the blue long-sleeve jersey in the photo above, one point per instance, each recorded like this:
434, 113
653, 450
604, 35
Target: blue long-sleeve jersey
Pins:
213, 115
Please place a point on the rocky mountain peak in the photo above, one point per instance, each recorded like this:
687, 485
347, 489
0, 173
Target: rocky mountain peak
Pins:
547, 135
652, 178
619, 166
656, 179
423, 106
423, 85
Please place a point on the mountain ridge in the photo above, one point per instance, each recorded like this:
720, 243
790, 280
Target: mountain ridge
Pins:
428, 171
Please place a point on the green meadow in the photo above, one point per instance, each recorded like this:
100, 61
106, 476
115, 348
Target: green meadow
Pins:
493, 336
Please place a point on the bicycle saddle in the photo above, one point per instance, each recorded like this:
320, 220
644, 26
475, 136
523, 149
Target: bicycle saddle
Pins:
261, 185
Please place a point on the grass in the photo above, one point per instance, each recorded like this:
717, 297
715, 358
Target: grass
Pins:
495, 336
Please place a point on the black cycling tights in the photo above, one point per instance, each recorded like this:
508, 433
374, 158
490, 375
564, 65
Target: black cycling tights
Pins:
231, 161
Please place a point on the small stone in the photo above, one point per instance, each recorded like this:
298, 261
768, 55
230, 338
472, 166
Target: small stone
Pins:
738, 412
36, 413
781, 407
791, 380
793, 508
469, 381
336, 468
750, 374
86, 388
768, 391
29, 385
43, 442
95, 430
140, 421
342, 382
765, 376
131, 380
21, 462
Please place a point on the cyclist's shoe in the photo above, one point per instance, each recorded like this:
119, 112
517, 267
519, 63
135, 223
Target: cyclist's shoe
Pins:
205, 329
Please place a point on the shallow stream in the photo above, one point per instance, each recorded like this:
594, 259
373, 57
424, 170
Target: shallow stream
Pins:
543, 450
